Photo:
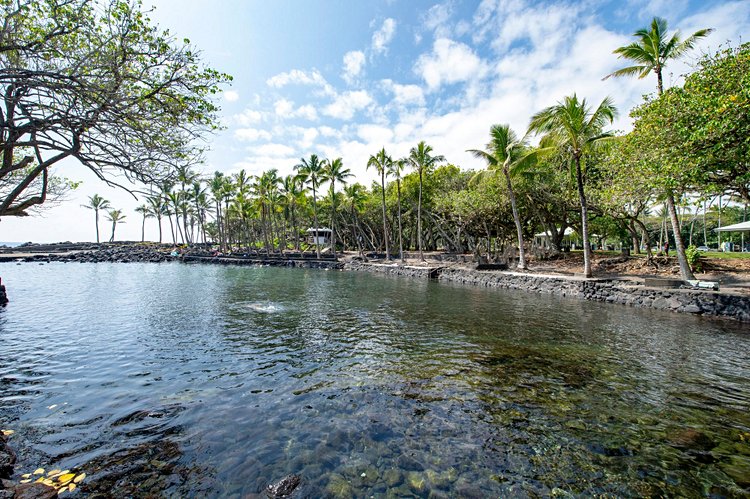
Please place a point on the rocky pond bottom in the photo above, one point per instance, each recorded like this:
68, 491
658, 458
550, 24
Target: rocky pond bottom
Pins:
193, 380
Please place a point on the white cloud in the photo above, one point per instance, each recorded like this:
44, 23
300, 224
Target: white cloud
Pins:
231, 96
248, 117
345, 105
405, 94
299, 77
382, 37
251, 134
283, 108
437, 18
375, 134
274, 150
449, 62
354, 62
307, 112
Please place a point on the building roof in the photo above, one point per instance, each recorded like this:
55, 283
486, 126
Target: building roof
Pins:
740, 227
319, 230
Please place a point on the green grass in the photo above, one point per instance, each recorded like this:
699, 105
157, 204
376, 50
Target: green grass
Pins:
726, 256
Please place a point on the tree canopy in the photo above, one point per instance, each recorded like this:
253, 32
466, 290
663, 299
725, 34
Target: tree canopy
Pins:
96, 82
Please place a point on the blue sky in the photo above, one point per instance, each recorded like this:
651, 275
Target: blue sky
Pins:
345, 78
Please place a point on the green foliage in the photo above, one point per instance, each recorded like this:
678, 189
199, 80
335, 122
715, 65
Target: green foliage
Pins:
694, 258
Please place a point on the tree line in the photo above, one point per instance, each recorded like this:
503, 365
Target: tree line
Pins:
94, 81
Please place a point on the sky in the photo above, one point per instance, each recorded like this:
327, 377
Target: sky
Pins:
342, 78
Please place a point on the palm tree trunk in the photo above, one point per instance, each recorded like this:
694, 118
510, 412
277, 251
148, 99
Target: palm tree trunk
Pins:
333, 219
143, 229
158, 219
584, 221
400, 230
385, 226
112, 239
687, 274
516, 219
419, 217
315, 217
97, 225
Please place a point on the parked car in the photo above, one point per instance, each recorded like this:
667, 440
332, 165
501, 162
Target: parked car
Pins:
705, 248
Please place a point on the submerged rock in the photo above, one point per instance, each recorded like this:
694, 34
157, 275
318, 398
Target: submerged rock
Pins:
34, 491
7, 458
284, 487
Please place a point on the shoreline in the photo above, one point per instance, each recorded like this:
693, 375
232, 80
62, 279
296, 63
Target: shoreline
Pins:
713, 304
628, 291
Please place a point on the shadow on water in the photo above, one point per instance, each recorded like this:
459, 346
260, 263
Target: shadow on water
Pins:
200, 380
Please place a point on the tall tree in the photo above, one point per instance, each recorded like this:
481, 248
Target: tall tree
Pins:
505, 151
116, 217
651, 52
158, 209
292, 192
96, 203
381, 162
333, 171
310, 171
95, 82
356, 195
421, 159
145, 213
394, 171
573, 128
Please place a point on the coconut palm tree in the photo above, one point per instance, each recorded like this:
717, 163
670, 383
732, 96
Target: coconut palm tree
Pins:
333, 171
505, 151
651, 53
309, 171
356, 195
394, 170
572, 127
157, 209
116, 217
381, 162
292, 192
421, 159
145, 213
96, 203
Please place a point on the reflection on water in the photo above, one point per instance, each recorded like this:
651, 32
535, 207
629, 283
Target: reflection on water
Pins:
197, 380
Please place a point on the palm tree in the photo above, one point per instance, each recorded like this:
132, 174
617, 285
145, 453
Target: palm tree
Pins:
310, 172
96, 203
381, 162
394, 170
422, 161
145, 211
157, 209
185, 176
292, 191
506, 151
332, 172
356, 196
216, 186
572, 127
651, 53
116, 217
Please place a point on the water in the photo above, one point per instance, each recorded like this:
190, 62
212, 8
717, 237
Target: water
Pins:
189, 380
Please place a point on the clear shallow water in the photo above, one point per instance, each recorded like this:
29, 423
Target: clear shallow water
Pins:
194, 380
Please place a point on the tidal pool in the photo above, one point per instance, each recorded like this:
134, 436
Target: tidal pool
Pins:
195, 380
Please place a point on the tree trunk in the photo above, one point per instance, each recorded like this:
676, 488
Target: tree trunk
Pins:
400, 230
143, 229
584, 221
333, 220
97, 226
158, 220
516, 219
315, 216
419, 217
687, 274
385, 226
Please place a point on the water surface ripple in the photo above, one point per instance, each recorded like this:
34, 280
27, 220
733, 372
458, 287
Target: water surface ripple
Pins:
189, 380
